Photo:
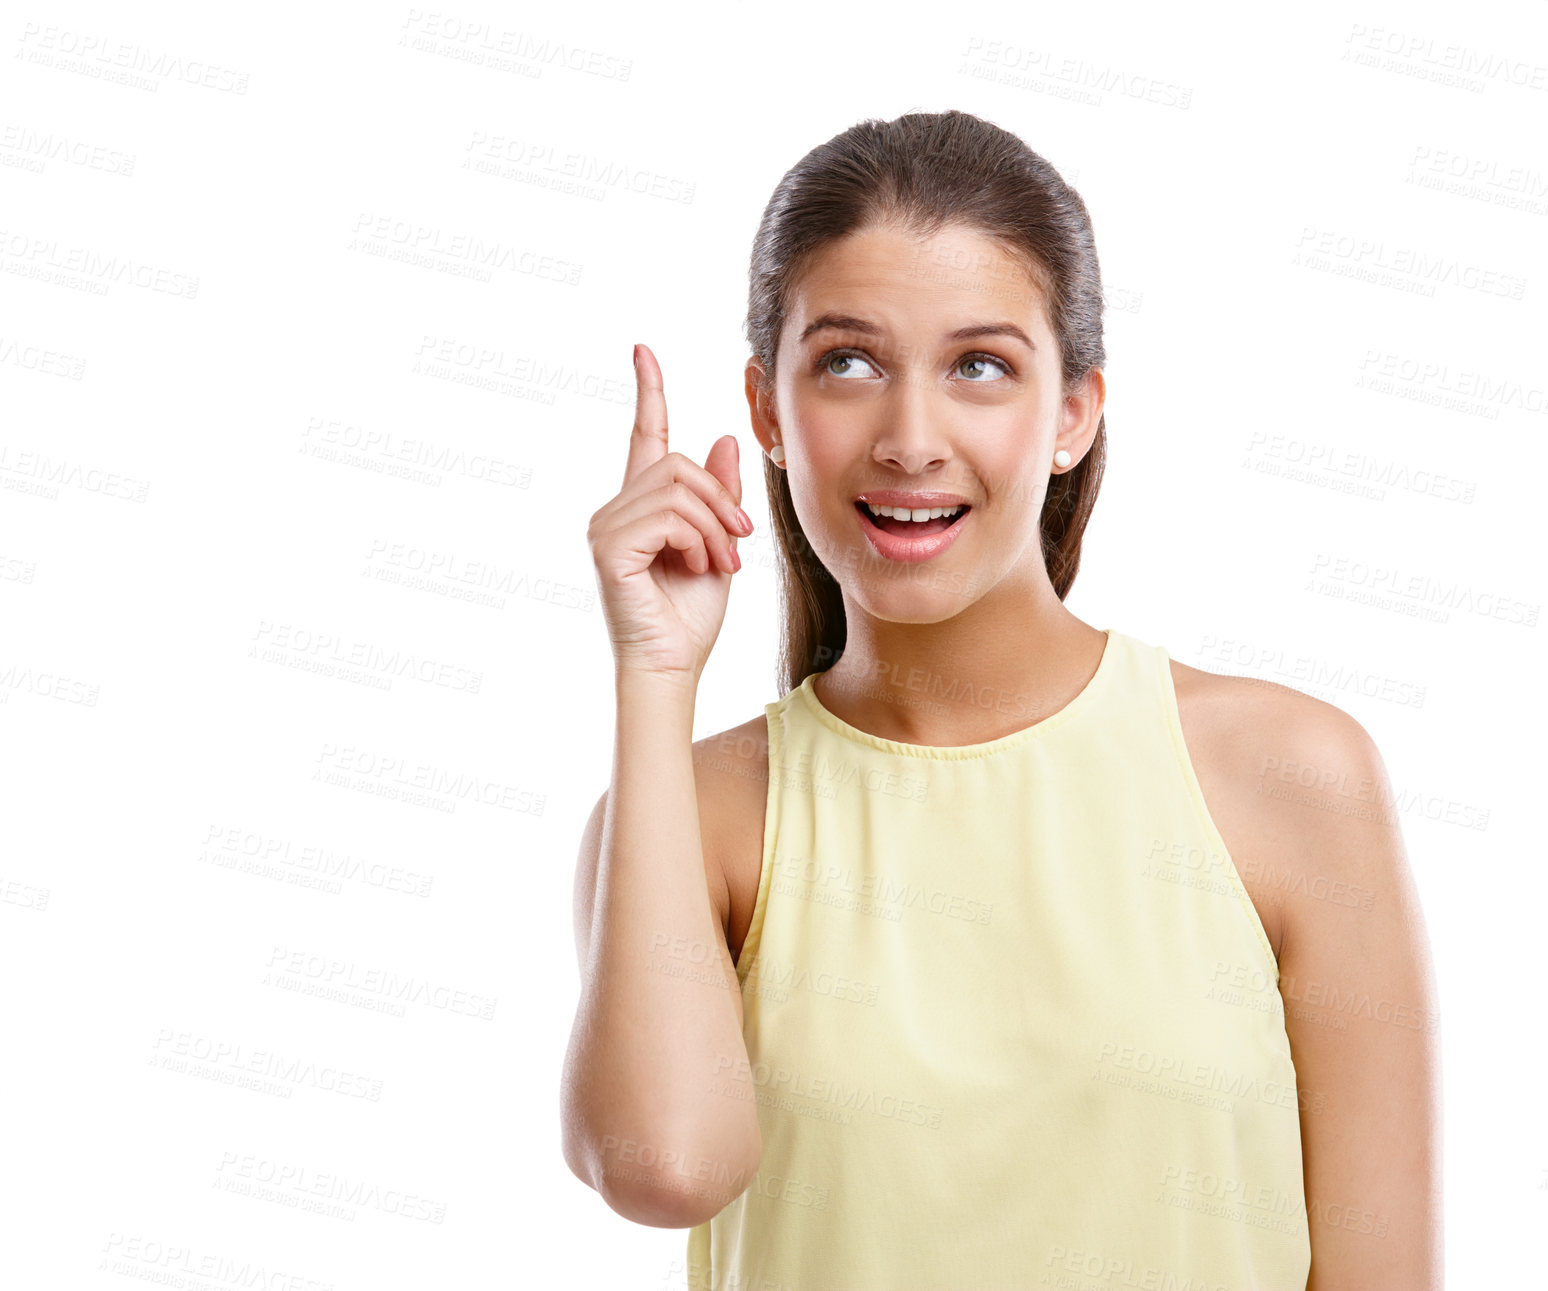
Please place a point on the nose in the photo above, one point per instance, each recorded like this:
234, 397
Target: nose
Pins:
912, 435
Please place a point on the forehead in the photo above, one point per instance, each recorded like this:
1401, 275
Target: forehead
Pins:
907, 282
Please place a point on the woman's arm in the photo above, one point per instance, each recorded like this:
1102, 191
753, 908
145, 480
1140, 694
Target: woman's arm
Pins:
659, 1024
657, 1105
1360, 1007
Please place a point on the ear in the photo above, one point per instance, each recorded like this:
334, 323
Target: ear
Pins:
760, 406
1082, 412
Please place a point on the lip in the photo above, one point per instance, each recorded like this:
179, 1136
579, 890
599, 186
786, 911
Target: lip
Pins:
898, 498
909, 551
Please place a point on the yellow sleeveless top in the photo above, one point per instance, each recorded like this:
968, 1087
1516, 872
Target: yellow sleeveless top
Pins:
1011, 1016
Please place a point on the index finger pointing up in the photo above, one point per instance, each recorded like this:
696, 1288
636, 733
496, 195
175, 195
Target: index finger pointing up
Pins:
648, 442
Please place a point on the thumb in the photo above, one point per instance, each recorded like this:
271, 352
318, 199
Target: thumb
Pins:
724, 463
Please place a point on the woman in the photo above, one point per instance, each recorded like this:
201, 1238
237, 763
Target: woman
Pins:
1001, 951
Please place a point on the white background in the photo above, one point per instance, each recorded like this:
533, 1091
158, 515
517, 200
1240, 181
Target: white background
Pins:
272, 346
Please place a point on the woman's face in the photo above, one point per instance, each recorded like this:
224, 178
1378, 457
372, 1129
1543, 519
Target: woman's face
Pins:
922, 367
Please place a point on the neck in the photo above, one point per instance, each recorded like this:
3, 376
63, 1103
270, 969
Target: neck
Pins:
980, 675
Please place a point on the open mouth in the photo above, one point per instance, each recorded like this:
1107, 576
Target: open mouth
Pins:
911, 528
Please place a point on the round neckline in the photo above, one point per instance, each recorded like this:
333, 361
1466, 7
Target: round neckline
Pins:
948, 752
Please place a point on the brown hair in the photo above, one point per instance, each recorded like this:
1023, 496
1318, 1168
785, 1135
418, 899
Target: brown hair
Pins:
922, 171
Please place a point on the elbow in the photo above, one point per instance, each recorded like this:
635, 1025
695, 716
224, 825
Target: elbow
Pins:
666, 1188
667, 1196
657, 1201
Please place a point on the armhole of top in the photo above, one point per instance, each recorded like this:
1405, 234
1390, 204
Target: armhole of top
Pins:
774, 717
1211, 830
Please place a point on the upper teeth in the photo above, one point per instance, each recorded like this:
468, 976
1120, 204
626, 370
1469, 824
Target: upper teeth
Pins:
912, 513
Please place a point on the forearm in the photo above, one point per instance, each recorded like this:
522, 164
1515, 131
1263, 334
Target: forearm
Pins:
658, 1093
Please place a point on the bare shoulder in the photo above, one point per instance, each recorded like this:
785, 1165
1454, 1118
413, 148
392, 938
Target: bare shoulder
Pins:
731, 771
1245, 710
1281, 772
1302, 797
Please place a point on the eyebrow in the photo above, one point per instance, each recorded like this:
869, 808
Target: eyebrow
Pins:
849, 323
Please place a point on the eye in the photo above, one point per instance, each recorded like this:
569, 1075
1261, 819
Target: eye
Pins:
850, 357
856, 366
980, 360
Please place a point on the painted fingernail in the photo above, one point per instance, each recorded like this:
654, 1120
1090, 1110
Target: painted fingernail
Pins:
745, 519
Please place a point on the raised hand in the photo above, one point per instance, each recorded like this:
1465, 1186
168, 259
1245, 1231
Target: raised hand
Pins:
665, 546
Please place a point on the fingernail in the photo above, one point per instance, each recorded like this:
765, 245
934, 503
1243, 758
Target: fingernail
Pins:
635, 357
745, 519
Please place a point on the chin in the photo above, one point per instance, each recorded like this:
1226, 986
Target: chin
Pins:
923, 596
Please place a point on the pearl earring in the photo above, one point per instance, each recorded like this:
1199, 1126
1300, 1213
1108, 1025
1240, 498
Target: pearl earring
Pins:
1061, 458
777, 453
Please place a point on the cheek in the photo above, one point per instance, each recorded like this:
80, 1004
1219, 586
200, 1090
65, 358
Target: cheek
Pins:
1024, 494
822, 445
